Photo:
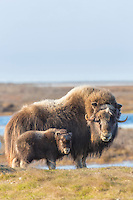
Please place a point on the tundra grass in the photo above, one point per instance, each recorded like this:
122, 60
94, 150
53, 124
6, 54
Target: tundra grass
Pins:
98, 184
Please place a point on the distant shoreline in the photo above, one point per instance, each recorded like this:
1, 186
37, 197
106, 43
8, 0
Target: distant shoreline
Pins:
13, 95
72, 83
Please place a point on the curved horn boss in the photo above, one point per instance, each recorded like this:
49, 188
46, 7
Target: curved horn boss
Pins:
109, 109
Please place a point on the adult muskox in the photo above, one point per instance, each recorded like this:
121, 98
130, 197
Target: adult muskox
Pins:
72, 112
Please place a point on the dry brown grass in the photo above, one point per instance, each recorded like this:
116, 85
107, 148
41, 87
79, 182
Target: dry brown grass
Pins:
14, 96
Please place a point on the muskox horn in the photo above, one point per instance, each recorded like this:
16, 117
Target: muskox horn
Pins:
109, 111
89, 119
121, 121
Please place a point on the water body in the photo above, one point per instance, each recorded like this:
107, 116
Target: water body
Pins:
3, 121
68, 167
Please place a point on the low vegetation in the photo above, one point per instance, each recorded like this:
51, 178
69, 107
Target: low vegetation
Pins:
115, 183
98, 184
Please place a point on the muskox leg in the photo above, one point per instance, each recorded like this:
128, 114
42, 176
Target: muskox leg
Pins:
51, 164
15, 163
78, 161
84, 161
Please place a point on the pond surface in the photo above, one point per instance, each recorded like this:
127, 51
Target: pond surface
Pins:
68, 167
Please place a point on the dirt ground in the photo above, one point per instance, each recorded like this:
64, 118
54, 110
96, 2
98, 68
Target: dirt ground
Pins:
14, 96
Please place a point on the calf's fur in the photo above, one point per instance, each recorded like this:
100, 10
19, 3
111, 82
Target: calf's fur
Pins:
51, 144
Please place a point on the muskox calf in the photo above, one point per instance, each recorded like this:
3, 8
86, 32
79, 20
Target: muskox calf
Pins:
34, 145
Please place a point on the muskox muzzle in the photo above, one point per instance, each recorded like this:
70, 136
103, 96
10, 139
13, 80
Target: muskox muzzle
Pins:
106, 137
66, 151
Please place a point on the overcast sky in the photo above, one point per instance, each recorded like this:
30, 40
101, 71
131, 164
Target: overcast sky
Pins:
66, 40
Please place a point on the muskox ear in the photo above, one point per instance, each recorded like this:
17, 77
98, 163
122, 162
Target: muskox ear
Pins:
119, 106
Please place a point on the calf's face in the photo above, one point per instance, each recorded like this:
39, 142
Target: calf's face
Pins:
63, 140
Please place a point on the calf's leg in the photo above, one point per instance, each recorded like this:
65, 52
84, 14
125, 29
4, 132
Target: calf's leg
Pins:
15, 162
23, 164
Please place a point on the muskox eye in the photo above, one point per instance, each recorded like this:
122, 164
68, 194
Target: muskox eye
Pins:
94, 104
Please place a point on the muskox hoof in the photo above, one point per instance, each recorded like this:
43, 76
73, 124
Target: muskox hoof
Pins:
84, 162
15, 163
51, 164
84, 165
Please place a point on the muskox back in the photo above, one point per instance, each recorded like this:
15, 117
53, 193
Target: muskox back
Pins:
68, 113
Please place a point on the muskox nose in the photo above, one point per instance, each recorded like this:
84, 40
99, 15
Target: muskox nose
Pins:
106, 137
66, 150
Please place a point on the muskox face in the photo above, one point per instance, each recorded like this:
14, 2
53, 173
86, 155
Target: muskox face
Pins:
104, 121
63, 140
105, 124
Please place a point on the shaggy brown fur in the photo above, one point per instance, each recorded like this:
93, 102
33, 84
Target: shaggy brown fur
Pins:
51, 144
67, 113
